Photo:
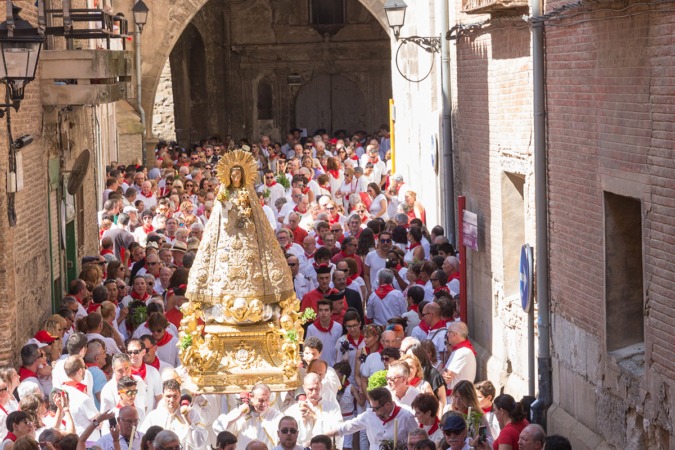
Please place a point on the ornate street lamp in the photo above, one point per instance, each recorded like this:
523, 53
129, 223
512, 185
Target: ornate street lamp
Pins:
395, 11
140, 11
20, 46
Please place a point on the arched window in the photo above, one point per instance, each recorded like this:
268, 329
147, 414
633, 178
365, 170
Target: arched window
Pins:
327, 12
265, 100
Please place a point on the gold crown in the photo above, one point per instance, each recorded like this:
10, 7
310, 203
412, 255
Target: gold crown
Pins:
237, 158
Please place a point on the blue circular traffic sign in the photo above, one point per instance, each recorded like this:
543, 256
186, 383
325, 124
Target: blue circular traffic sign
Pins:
526, 277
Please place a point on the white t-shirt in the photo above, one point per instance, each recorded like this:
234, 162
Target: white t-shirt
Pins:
376, 207
462, 362
376, 263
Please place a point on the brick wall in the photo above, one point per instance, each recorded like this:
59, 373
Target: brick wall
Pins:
610, 128
25, 284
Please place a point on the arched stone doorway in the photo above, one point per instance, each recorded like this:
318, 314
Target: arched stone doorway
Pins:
267, 23
330, 101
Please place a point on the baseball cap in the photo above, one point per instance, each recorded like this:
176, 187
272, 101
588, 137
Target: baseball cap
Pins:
397, 177
45, 337
454, 423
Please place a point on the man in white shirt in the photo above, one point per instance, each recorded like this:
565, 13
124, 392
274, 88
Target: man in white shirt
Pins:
462, 362
380, 421
110, 397
256, 420
288, 434
82, 407
276, 190
127, 421
397, 381
385, 302
301, 283
326, 330
456, 435
170, 416
314, 415
153, 380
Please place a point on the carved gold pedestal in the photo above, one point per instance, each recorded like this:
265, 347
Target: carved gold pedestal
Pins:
244, 356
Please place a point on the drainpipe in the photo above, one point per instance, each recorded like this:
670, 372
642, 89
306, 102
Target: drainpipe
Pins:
448, 174
541, 405
139, 91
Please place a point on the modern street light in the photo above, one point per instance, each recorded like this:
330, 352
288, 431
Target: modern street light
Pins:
140, 11
20, 46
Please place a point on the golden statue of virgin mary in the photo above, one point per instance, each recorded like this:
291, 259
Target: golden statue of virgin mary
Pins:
241, 325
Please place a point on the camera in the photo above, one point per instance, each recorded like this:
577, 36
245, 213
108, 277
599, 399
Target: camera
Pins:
390, 264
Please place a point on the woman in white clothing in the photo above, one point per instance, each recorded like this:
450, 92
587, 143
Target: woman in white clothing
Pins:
378, 206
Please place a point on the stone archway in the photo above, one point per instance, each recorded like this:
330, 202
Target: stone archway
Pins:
169, 19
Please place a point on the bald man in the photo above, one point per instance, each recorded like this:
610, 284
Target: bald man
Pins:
314, 414
432, 327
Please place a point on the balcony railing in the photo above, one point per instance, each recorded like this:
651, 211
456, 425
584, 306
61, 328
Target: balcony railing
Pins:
492, 6
84, 77
90, 24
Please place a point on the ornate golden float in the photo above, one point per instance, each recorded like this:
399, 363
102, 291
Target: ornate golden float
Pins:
241, 325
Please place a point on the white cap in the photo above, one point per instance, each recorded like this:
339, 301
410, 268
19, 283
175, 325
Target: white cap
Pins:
128, 209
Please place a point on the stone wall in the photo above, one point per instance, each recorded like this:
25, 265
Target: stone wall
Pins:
163, 119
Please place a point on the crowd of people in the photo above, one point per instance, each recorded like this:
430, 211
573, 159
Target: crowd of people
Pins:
387, 363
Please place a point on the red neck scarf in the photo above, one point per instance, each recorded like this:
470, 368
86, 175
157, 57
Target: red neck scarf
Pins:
415, 308
355, 344
420, 282
272, 184
442, 288
141, 371
11, 436
288, 246
487, 410
453, 276
90, 364
414, 246
413, 382
155, 363
135, 296
354, 157
305, 191
367, 350
25, 373
434, 427
310, 255
464, 344
342, 252
333, 220
165, 339
107, 251
383, 290
79, 386
148, 229
440, 324
394, 413
350, 279
334, 173
319, 240
93, 308
319, 327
